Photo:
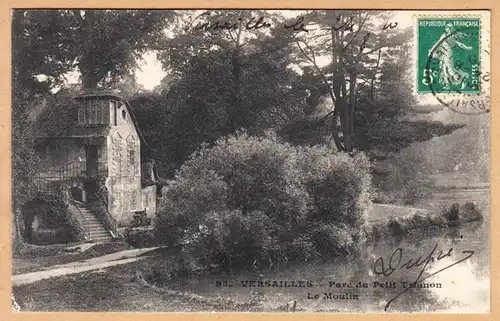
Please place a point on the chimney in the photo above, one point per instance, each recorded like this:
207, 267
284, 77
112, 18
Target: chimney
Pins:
147, 171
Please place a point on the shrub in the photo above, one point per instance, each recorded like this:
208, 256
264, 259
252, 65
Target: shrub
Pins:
76, 233
333, 240
254, 199
470, 212
229, 238
396, 227
452, 214
140, 237
57, 223
466, 212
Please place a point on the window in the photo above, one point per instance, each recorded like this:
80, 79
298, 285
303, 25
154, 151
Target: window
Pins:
60, 156
133, 200
131, 162
124, 114
114, 111
117, 154
92, 112
81, 115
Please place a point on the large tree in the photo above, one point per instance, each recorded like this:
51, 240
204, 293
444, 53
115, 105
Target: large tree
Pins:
362, 60
103, 45
241, 72
220, 81
223, 76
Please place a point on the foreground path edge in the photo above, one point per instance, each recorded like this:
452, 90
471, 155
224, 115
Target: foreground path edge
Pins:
104, 261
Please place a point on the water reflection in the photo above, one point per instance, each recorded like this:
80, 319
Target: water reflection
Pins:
460, 288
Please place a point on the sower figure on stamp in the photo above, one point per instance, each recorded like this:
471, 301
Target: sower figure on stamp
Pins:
449, 40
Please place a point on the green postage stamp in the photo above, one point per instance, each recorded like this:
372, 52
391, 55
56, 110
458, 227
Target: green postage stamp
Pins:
449, 55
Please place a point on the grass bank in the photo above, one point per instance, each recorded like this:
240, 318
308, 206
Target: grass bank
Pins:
120, 288
400, 226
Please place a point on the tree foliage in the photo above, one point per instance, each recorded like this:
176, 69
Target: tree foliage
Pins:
242, 75
362, 60
345, 79
221, 81
252, 199
103, 45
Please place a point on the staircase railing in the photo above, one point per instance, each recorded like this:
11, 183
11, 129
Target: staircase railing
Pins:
105, 216
71, 169
81, 217
77, 169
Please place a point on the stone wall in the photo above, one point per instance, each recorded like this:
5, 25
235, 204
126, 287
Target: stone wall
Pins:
124, 181
124, 198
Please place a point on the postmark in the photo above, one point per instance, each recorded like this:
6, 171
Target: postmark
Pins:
450, 63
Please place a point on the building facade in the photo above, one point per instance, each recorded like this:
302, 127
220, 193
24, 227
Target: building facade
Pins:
90, 153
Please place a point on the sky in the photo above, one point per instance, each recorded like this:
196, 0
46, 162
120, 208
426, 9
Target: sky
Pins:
150, 72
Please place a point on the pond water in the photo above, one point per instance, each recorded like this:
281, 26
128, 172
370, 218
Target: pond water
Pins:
350, 284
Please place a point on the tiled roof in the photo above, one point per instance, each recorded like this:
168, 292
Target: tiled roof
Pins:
99, 93
71, 131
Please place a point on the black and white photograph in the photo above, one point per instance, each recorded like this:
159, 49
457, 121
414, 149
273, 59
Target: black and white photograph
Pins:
230, 160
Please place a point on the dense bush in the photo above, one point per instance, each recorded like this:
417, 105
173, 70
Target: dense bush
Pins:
452, 213
140, 237
250, 200
47, 220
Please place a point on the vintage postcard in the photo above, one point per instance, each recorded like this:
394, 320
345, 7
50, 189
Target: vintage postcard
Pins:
250, 160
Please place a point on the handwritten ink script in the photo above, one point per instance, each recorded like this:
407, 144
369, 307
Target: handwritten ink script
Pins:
299, 25
396, 262
255, 24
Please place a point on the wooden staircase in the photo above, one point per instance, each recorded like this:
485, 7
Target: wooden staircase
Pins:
96, 230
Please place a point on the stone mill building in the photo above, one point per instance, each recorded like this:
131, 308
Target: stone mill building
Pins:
93, 156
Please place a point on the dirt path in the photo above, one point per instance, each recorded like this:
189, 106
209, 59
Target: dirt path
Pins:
96, 263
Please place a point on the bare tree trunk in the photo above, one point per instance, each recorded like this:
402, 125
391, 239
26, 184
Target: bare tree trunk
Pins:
349, 115
88, 65
336, 132
339, 99
236, 116
372, 84
89, 80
